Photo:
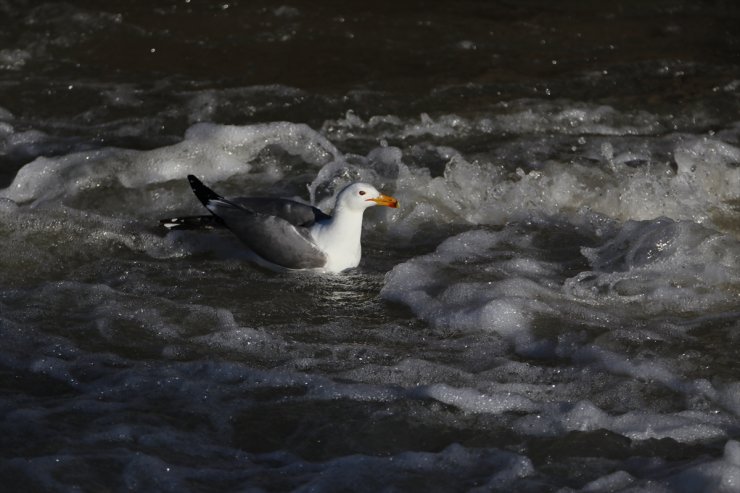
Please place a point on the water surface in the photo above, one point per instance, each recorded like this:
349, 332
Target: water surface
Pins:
554, 306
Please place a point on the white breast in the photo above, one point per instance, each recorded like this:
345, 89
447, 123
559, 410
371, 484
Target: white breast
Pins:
339, 239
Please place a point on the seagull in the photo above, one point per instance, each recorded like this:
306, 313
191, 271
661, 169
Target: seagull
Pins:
285, 234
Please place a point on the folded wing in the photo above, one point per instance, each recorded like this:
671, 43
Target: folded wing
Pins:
275, 229
294, 212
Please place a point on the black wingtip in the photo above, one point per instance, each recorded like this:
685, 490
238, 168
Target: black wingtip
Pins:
204, 194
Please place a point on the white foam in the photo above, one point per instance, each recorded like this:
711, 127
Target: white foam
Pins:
213, 152
485, 194
505, 303
616, 481
473, 401
480, 191
13, 59
498, 281
525, 116
664, 266
555, 419
597, 175
729, 397
720, 476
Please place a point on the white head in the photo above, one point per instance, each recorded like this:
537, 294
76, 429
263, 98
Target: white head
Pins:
360, 196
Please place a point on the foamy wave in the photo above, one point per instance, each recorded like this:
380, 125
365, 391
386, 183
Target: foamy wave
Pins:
663, 266
702, 190
214, 152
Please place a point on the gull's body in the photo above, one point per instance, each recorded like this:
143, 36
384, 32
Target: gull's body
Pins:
287, 234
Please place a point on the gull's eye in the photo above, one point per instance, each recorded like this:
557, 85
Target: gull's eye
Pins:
362, 192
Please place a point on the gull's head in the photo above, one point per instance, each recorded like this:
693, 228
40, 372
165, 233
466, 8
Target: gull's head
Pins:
360, 196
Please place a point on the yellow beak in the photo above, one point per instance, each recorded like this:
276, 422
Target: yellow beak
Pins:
385, 200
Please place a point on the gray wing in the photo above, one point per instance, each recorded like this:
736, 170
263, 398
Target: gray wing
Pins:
271, 237
294, 212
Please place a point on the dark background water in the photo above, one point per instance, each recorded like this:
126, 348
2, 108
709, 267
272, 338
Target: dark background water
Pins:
386, 57
330, 46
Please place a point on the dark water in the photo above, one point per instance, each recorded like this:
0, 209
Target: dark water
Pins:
554, 306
